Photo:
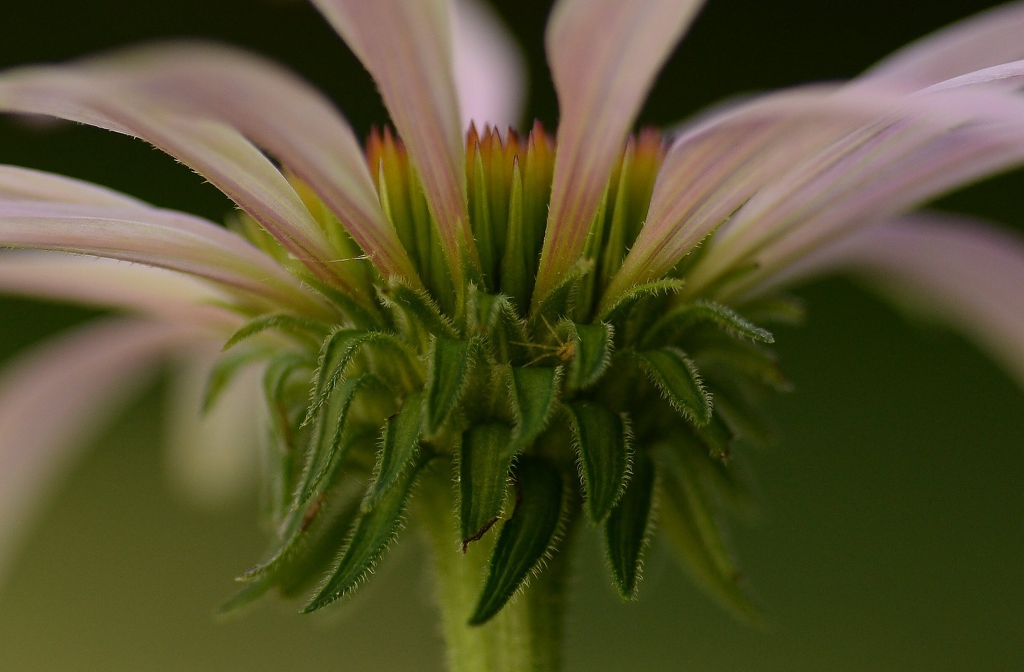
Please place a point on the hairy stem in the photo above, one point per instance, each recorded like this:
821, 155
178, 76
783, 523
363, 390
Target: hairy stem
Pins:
526, 636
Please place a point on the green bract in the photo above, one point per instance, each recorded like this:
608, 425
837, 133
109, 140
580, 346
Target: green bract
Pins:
573, 407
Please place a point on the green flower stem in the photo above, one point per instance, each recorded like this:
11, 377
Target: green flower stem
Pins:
526, 636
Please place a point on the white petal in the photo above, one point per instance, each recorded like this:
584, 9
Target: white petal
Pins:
965, 273
212, 457
990, 38
161, 238
406, 47
53, 399
278, 111
106, 283
604, 55
213, 149
490, 69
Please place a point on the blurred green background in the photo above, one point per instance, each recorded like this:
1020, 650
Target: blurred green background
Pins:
892, 528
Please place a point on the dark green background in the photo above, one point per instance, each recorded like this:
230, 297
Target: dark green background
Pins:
892, 527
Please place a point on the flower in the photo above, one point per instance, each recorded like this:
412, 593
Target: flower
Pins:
569, 325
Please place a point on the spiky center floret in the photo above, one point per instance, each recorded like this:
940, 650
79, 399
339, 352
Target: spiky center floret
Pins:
546, 413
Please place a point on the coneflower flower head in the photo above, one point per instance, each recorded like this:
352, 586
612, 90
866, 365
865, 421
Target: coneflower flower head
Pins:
507, 335
481, 375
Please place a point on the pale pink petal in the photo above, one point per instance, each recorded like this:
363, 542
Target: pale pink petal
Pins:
990, 38
107, 283
18, 183
161, 238
406, 47
213, 149
604, 55
930, 143
212, 457
716, 165
55, 398
1005, 75
278, 111
966, 273
490, 70
885, 190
